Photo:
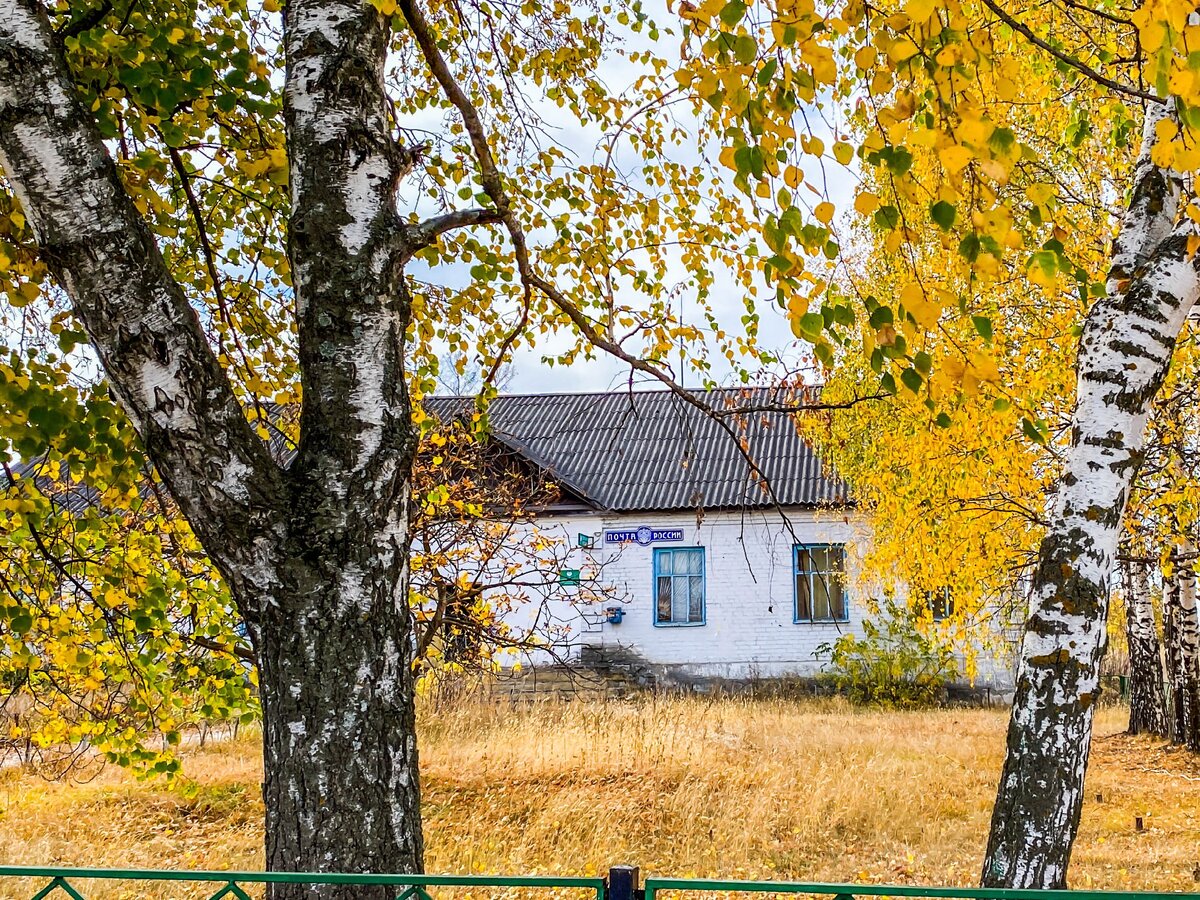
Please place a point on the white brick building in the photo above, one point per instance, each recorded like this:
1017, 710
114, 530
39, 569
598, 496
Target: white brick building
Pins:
687, 560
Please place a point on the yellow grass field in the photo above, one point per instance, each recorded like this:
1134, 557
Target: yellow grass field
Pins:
688, 787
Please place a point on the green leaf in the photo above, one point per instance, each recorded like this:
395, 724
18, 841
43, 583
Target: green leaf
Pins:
943, 214
745, 49
812, 323
912, 380
732, 12
887, 217
983, 325
767, 72
1032, 431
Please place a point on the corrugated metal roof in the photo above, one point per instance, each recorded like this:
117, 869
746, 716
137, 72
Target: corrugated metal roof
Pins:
628, 450
652, 450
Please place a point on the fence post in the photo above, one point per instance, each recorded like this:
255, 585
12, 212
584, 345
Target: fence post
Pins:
624, 883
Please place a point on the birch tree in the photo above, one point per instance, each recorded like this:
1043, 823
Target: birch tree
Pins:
1147, 690
958, 143
1181, 633
221, 206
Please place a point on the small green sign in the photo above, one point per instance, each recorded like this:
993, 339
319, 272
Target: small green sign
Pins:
568, 576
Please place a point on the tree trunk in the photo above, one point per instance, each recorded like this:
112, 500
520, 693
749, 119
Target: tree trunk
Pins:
1147, 692
339, 742
1181, 633
1125, 350
316, 556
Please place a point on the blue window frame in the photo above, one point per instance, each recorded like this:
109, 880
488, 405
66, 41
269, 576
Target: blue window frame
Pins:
819, 573
679, 586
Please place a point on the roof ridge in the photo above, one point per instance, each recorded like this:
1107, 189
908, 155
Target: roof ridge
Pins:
624, 392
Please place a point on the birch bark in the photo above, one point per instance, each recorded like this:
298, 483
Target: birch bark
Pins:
1147, 690
1124, 353
315, 556
1182, 637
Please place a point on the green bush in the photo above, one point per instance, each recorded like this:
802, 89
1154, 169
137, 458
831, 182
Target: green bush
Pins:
895, 663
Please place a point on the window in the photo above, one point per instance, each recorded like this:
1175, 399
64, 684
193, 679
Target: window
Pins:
820, 582
940, 603
679, 586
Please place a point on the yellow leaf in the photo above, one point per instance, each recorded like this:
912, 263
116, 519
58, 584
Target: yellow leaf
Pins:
824, 212
924, 310
983, 366
955, 158
866, 203
843, 152
1152, 36
901, 50
919, 10
1163, 155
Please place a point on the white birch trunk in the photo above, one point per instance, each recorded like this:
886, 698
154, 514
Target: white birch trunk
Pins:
316, 557
1124, 353
1182, 636
1147, 691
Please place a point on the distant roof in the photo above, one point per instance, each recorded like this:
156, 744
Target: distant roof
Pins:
652, 450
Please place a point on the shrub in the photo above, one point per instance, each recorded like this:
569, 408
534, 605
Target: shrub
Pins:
895, 663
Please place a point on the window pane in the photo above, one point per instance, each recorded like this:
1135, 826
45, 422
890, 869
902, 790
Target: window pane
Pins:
679, 599
695, 598
820, 598
695, 562
682, 560
838, 558
803, 607
664, 598
802, 560
837, 600
820, 559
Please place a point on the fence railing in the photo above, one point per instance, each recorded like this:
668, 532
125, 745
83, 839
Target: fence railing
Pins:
232, 884
621, 883
657, 886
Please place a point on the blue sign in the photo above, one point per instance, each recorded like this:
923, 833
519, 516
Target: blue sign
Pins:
644, 535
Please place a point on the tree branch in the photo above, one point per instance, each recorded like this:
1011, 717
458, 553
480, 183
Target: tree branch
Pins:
1068, 60
238, 650
147, 336
493, 186
425, 233
87, 21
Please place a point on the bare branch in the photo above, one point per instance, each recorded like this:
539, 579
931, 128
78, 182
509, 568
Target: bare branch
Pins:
425, 233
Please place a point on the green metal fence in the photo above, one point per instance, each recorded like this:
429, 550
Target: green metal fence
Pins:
233, 884
622, 883
657, 886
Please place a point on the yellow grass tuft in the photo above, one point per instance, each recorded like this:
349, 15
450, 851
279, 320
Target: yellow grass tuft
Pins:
689, 787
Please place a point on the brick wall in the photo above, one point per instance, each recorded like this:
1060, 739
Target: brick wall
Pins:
749, 629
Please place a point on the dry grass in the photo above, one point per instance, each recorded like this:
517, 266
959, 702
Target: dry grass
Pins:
736, 788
